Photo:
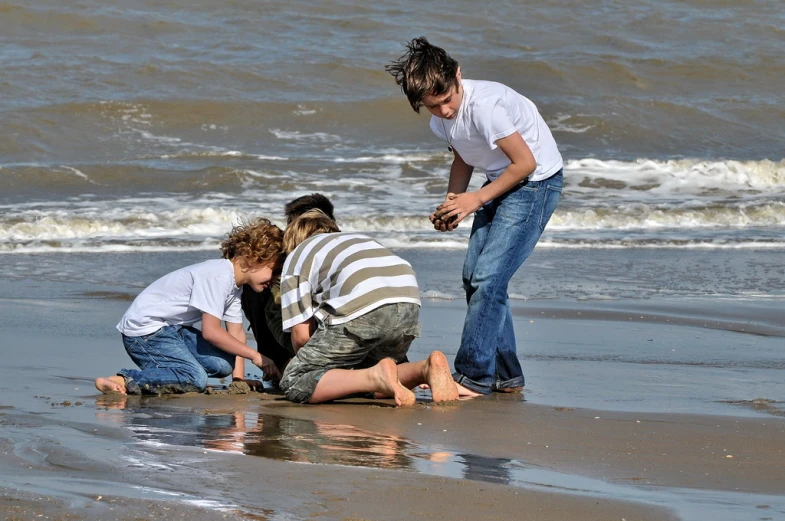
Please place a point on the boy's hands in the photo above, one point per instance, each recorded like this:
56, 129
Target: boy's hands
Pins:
267, 366
440, 221
254, 385
454, 209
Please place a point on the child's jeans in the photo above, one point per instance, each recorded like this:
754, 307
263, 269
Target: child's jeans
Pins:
174, 359
385, 332
504, 233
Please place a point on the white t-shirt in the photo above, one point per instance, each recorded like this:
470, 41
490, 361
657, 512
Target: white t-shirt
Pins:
490, 111
181, 297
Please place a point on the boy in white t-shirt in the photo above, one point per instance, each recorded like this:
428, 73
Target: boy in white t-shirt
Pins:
158, 329
489, 126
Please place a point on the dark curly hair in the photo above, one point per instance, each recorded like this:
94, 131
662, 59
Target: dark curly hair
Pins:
296, 207
424, 70
255, 243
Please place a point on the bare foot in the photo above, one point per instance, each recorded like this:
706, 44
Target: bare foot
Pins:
111, 385
387, 378
437, 372
465, 392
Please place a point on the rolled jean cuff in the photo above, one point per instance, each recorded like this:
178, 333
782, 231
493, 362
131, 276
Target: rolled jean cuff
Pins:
131, 387
508, 384
471, 384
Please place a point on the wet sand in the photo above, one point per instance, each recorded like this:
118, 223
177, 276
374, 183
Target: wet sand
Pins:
494, 457
193, 458
633, 410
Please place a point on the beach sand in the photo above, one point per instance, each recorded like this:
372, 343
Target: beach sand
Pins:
637, 410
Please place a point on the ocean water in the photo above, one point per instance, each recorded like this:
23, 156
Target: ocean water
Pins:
149, 127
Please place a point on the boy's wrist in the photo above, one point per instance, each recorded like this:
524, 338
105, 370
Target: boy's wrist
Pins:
482, 196
257, 359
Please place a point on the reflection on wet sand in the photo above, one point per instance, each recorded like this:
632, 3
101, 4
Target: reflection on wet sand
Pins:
288, 439
324, 443
291, 439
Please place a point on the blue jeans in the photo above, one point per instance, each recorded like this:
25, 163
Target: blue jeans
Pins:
504, 233
174, 359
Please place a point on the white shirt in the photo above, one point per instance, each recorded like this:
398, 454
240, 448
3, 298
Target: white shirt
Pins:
181, 297
491, 111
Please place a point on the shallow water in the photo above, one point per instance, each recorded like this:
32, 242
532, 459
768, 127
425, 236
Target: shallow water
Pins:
157, 126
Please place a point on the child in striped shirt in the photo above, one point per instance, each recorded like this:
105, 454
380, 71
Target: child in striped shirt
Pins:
352, 308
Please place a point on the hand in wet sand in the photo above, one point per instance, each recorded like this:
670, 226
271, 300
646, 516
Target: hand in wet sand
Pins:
255, 385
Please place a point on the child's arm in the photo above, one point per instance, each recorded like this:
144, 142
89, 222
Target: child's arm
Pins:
301, 333
522, 164
460, 176
238, 332
220, 338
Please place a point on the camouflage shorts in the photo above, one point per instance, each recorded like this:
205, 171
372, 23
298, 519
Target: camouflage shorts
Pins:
385, 332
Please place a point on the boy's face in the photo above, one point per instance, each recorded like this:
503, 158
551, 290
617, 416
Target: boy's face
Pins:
445, 105
259, 278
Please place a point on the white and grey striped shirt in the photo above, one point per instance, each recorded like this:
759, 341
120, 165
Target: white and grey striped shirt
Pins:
336, 277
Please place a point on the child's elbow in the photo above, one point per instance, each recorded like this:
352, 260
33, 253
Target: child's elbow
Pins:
299, 339
209, 333
528, 166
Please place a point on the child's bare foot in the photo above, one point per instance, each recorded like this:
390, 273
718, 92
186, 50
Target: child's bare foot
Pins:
465, 392
437, 372
386, 374
111, 385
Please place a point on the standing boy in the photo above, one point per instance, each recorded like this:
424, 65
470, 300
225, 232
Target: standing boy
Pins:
157, 330
489, 126
353, 309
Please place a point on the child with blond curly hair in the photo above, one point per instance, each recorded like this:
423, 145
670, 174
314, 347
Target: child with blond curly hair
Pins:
158, 329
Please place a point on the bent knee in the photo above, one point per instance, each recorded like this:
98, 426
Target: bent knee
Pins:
294, 392
297, 396
195, 376
221, 369
299, 387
